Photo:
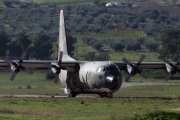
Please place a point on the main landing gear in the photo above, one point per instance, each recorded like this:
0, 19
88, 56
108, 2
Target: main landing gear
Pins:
106, 95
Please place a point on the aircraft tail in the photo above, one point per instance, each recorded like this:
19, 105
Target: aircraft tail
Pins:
62, 39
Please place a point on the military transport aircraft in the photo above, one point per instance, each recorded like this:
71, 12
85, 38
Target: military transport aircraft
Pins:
90, 77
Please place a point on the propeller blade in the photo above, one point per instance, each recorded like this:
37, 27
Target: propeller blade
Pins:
140, 60
168, 62
128, 77
126, 61
178, 62
50, 75
144, 75
56, 78
22, 68
168, 76
54, 66
13, 76
9, 61
134, 68
175, 68
23, 55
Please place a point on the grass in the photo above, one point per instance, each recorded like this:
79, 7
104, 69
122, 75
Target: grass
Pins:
84, 108
81, 108
29, 84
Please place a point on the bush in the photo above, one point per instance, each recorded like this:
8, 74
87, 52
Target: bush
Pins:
152, 46
133, 46
28, 87
118, 46
158, 115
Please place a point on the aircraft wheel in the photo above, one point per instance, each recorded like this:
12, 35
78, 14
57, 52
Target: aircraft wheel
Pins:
106, 95
73, 94
109, 95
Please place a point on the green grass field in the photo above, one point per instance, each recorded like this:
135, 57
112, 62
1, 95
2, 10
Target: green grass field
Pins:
29, 84
83, 108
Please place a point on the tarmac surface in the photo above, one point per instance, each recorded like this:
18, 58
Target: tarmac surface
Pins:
127, 84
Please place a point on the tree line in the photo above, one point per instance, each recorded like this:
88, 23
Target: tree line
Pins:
40, 47
84, 19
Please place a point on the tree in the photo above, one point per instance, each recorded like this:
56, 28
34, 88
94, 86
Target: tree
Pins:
90, 56
102, 57
8, 3
152, 46
97, 44
23, 41
133, 46
70, 44
99, 3
4, 40
129, 5
170, 41
14, 49
118, 46
42, 46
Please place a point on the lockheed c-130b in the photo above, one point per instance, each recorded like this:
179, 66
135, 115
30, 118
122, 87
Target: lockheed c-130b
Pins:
88, 77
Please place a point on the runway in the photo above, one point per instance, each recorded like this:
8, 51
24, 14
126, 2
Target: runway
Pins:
124, 84
127, 84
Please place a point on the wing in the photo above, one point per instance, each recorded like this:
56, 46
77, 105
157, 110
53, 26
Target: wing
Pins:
144, 65
41, 64
136, 67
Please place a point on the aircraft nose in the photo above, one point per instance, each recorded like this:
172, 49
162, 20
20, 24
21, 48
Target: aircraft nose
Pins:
111, 82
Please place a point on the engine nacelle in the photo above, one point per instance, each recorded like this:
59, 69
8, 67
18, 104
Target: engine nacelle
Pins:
170, 69
54, 68
14, 66
131, 70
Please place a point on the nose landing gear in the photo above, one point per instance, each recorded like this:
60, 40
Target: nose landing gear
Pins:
106, 95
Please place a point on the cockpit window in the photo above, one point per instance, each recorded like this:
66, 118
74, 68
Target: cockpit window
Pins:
112, 69
101, 69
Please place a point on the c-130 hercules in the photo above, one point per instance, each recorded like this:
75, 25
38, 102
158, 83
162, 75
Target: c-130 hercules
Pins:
88, 77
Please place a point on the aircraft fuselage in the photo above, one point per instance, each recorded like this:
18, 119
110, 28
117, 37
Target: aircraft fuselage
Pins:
93, 77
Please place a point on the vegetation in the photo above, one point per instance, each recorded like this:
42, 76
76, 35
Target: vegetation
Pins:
170, 44
84, 108
104, 29
96, 33
87, 108
160, 115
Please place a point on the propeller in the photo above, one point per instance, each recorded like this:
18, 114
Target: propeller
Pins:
16, 66
133, 68
172, 68
56, 68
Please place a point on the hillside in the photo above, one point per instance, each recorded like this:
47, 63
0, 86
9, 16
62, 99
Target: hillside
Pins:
161, 2
96, 27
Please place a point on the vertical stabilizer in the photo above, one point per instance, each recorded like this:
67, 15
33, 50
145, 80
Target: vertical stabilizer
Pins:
62, 39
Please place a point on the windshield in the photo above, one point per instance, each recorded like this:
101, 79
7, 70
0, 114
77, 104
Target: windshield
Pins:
101, 69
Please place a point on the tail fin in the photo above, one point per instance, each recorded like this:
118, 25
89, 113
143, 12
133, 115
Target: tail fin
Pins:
62, 39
